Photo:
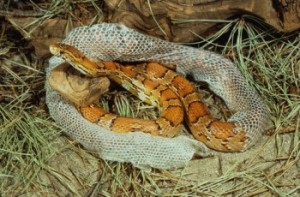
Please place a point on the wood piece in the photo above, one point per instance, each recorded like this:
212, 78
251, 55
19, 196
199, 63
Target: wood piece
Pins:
80, 90
168, 19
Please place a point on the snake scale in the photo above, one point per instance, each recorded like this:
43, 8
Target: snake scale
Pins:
176, 98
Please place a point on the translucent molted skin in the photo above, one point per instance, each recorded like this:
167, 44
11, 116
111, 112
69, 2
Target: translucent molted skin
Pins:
111, 42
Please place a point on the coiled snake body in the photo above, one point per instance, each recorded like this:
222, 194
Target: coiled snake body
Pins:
169, 91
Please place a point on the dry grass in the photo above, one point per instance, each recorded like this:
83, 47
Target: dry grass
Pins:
31, 150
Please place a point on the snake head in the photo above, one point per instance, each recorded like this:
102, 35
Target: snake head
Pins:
75, 58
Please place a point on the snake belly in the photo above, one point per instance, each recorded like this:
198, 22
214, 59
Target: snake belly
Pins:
162, 87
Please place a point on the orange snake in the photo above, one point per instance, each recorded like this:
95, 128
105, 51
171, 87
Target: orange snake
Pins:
157, 85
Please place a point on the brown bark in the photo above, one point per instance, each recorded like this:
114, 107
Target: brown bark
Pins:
145, 15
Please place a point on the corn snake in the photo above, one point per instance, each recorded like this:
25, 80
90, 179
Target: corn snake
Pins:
176, 97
